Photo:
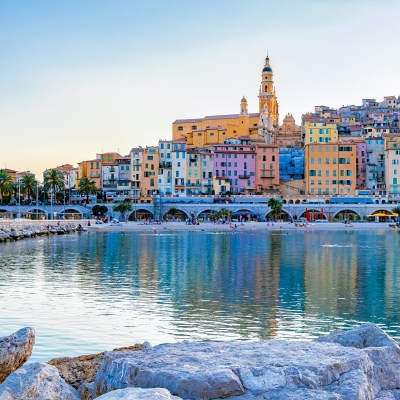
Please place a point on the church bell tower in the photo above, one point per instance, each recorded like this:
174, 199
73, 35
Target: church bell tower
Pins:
267, 96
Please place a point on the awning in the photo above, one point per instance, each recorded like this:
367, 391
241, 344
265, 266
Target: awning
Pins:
383, 215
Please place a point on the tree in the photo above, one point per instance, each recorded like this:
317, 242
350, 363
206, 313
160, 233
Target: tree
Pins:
29, 183
275, 206
53, 180
87, 187
99, 210
123, 207
225, 214
6, 185
396, 210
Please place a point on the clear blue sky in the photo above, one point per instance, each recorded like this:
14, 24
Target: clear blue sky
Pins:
79, 77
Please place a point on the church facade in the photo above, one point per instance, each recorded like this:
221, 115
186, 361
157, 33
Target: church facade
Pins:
214, 129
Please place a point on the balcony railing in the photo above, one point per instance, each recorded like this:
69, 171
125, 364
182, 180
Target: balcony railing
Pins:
244, 176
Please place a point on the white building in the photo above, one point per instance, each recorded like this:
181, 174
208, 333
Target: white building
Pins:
165, 170
179, 166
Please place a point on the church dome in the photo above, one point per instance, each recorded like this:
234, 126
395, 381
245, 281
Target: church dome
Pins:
267, 69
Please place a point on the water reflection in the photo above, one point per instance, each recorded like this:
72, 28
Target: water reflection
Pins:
98, 291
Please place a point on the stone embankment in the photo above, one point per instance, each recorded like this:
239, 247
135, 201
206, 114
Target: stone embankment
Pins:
359, 364
16, 231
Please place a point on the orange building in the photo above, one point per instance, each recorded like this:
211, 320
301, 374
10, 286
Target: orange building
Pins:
90, 169
330, 168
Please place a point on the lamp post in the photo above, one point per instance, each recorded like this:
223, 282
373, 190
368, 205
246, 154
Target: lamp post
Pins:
37, 200
19, 197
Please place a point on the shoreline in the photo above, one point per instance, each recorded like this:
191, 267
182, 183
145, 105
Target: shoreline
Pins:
245, 227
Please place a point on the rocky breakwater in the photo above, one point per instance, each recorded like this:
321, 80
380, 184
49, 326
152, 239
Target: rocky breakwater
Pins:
11, 232
359, 364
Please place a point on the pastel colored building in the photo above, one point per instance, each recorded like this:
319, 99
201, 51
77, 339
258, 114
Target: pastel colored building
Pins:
330, 168
199, 171
179, 148
375, 164
136, 170
150, 164
320, 132
267, 167
361, 161
289, 134
165, 167
392, 165
91, 169
235, 162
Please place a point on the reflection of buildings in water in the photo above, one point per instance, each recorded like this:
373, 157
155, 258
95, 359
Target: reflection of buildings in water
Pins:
378, 281
330, 274
230, 286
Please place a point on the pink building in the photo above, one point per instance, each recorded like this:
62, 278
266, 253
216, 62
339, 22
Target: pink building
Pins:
267, 167
236, 162
361, 160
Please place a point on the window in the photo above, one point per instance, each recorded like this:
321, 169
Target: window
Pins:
273, 158
180, 128
312, 172
194, 127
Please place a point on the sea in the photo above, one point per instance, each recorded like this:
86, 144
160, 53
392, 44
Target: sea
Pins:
97, 291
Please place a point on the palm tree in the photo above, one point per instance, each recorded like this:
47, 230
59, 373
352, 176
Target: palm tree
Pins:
6, 184
87, 187
123, 207
275, 206
173, 212
53, 180
28, 185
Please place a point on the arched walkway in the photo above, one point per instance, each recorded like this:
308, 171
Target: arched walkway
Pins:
205, 216
284, 216
313, 214
348, 215
36, 213
175, 214
245, 215
141, 214
382, 216
71, 213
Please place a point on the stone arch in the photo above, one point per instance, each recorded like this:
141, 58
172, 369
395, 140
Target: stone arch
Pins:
71, 213
245, 214
284, 201
381, 215
290, 201
297, 201
314, 214
36, 213
205, 215
347, 214
140, 214
181, 214
284, 216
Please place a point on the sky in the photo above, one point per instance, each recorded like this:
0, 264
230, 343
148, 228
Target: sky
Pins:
79, 77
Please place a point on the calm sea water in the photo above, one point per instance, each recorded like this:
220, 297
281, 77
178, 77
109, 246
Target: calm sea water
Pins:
96, 291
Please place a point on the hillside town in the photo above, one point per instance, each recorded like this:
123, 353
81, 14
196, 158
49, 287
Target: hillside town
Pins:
347, 151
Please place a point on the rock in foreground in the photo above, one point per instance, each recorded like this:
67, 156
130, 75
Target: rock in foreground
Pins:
15, 350
272, 370
139, 394
38, 381
84, 368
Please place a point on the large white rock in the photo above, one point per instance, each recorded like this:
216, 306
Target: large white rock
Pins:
139, 394
38, 381
272, 370
15, 350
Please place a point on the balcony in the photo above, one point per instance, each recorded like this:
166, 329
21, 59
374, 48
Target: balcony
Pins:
188, 184
109, 184
165, 165
244, 176
267, 176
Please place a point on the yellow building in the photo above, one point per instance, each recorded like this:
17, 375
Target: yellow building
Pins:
214, 129
149, 171
320, 132
330, 168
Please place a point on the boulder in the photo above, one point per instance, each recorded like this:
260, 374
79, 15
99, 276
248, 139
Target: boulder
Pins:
273, 370
139, 394
361, 337
15, 350
38, 381
83, 368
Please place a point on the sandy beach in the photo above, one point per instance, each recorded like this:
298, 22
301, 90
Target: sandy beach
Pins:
246, 226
